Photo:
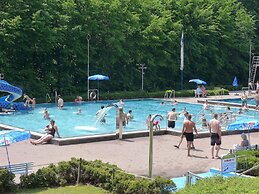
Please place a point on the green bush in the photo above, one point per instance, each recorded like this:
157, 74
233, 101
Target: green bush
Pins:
219, 184
159, 94
249, 159
7, 181
45, 177
104, 175
139, 94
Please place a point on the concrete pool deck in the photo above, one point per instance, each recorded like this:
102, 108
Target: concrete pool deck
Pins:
131, 154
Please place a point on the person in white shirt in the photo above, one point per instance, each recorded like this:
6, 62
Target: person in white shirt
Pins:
60, 102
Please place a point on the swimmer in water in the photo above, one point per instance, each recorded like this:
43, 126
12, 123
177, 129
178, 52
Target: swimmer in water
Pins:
204, 123
79, 111
156, 125
46, 114
103, 119
148, 121
206, 105
130, 115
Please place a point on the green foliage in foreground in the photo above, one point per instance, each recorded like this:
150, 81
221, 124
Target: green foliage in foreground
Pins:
86, 189
104, 175
218, 185
6, 181
250, 159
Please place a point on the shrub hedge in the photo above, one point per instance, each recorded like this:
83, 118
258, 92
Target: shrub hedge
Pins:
7, 181
104, 175
219, 184
250, 159
159, 94
141, 94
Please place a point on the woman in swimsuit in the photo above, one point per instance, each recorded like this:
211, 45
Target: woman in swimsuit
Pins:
51, 129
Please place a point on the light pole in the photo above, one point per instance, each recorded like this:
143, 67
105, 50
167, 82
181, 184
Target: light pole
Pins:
150, 174
249, 66
88, 49
142, 67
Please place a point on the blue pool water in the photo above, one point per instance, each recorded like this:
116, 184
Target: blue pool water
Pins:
180, 182
238, 101
71, 125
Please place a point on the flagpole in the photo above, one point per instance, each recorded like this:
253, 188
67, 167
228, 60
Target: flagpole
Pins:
249, 64
182, 59
181, 79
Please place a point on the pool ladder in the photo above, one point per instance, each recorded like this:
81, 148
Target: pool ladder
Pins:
48, 98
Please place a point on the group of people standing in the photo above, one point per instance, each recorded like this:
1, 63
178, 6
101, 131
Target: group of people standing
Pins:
189, 128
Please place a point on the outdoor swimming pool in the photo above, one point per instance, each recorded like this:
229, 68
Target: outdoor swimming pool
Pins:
72, 125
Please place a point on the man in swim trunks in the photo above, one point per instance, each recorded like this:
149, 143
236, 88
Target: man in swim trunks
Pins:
171, 117
256, 97
188, 128
60, 102
215, 134
244, 99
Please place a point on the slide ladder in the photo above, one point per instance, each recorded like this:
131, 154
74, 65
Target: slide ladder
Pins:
254, 65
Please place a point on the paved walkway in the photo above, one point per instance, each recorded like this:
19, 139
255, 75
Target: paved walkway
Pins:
130, 154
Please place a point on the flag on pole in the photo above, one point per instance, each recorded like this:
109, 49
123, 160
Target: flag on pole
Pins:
182, 53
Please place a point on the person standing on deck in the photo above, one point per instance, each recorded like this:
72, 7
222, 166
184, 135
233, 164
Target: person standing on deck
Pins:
188, 129
215, 134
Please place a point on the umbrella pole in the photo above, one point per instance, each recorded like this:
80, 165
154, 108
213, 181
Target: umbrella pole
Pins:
98, 89
7, 153
249, 137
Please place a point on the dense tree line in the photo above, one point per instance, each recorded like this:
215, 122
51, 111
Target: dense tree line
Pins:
43, 43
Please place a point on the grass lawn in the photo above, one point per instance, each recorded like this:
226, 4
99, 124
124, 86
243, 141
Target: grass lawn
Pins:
86, 189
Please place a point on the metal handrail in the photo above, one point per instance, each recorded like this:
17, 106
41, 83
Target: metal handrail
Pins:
198, 114
189, 177
48, 98
171, 92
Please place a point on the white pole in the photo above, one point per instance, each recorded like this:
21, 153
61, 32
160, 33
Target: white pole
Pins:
142, 83
249, 64
88, 50
150, 161
120, 124
182, 59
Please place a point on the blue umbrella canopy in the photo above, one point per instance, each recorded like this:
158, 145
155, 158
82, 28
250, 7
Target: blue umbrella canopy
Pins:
243, 124
98, 77
235, 84
8, 137
198, 81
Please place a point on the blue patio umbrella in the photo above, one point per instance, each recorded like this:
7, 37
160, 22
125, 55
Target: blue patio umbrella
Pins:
98, 78
235, 83
198, 81
245, 124
8, 137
